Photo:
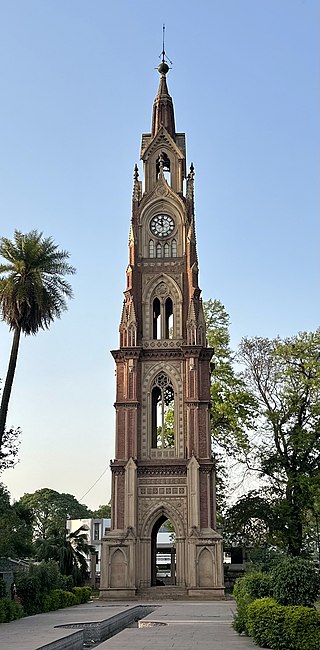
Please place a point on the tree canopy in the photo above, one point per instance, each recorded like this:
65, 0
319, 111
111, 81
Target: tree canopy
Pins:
15, 526
266, 415
51, 509
103, 512
284, 378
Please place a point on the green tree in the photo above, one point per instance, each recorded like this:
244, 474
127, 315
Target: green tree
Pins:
248, 522
103, 512
33, 293
15, 526
233, 406
50, 510
70, 550
284, 378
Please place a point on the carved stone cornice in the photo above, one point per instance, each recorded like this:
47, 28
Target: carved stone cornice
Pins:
126, 353
199, 351
205, 466
172, 467
117, 470
161, 354
134, 404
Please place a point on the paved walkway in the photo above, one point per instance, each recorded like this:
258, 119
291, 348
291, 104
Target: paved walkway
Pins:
182, 625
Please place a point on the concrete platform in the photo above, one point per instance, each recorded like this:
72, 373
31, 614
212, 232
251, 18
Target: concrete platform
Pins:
181, 625
40, 631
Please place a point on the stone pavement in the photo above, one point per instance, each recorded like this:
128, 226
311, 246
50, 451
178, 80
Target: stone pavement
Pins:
182, 625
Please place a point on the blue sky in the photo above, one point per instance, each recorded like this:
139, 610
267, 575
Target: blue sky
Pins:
77, 84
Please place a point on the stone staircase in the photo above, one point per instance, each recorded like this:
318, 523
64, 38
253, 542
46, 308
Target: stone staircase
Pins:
167, 592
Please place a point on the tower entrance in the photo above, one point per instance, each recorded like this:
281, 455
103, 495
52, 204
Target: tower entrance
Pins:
163, 468
163, 553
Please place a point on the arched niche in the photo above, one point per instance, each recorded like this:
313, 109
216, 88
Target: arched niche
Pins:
205, 568
118, 569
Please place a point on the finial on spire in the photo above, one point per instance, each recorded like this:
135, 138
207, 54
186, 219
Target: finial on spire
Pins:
136, 172
163, 67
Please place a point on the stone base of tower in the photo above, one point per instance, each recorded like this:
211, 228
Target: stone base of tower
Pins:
126, 567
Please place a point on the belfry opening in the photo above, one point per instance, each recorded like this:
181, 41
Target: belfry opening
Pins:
163, 468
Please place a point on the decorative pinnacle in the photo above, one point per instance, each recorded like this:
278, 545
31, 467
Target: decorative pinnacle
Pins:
136, 172
163, 67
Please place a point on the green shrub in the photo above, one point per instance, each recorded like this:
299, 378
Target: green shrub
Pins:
302, 625
29, 592
82, 594
63, 598
65, 583
3, 588
295, 582
247, 589
282, 627
32, 587
265, 624
9, 610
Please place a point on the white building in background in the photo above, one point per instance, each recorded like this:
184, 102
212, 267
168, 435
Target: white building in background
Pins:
95, 531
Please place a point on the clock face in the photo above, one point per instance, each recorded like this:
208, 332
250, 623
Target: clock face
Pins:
162, 225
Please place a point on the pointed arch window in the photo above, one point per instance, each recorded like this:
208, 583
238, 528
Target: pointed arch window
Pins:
168, 309
166, 250
156, 325
151, 248
162, 412
174, 248
159, 250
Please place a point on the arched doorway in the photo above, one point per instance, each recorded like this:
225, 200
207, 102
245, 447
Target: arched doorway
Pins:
163, 553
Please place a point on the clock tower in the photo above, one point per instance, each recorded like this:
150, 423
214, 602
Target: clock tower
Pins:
163, 467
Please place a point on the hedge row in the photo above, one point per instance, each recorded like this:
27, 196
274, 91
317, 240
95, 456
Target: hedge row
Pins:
59, 598
9, 610
283, 627
55, 599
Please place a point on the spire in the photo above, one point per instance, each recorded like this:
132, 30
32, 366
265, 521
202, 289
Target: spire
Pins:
163, 112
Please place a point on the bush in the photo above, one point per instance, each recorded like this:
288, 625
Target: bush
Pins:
3, 588
302, 626
40, 589
29, 592
82, 594
65, 583
34, 586
265, 624
247, 589
282, 627
63, 598
295, 582
9, 610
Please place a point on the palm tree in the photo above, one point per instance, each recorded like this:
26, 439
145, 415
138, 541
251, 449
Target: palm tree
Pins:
70, 550
33, 293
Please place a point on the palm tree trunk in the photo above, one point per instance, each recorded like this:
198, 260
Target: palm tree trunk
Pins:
9, 381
